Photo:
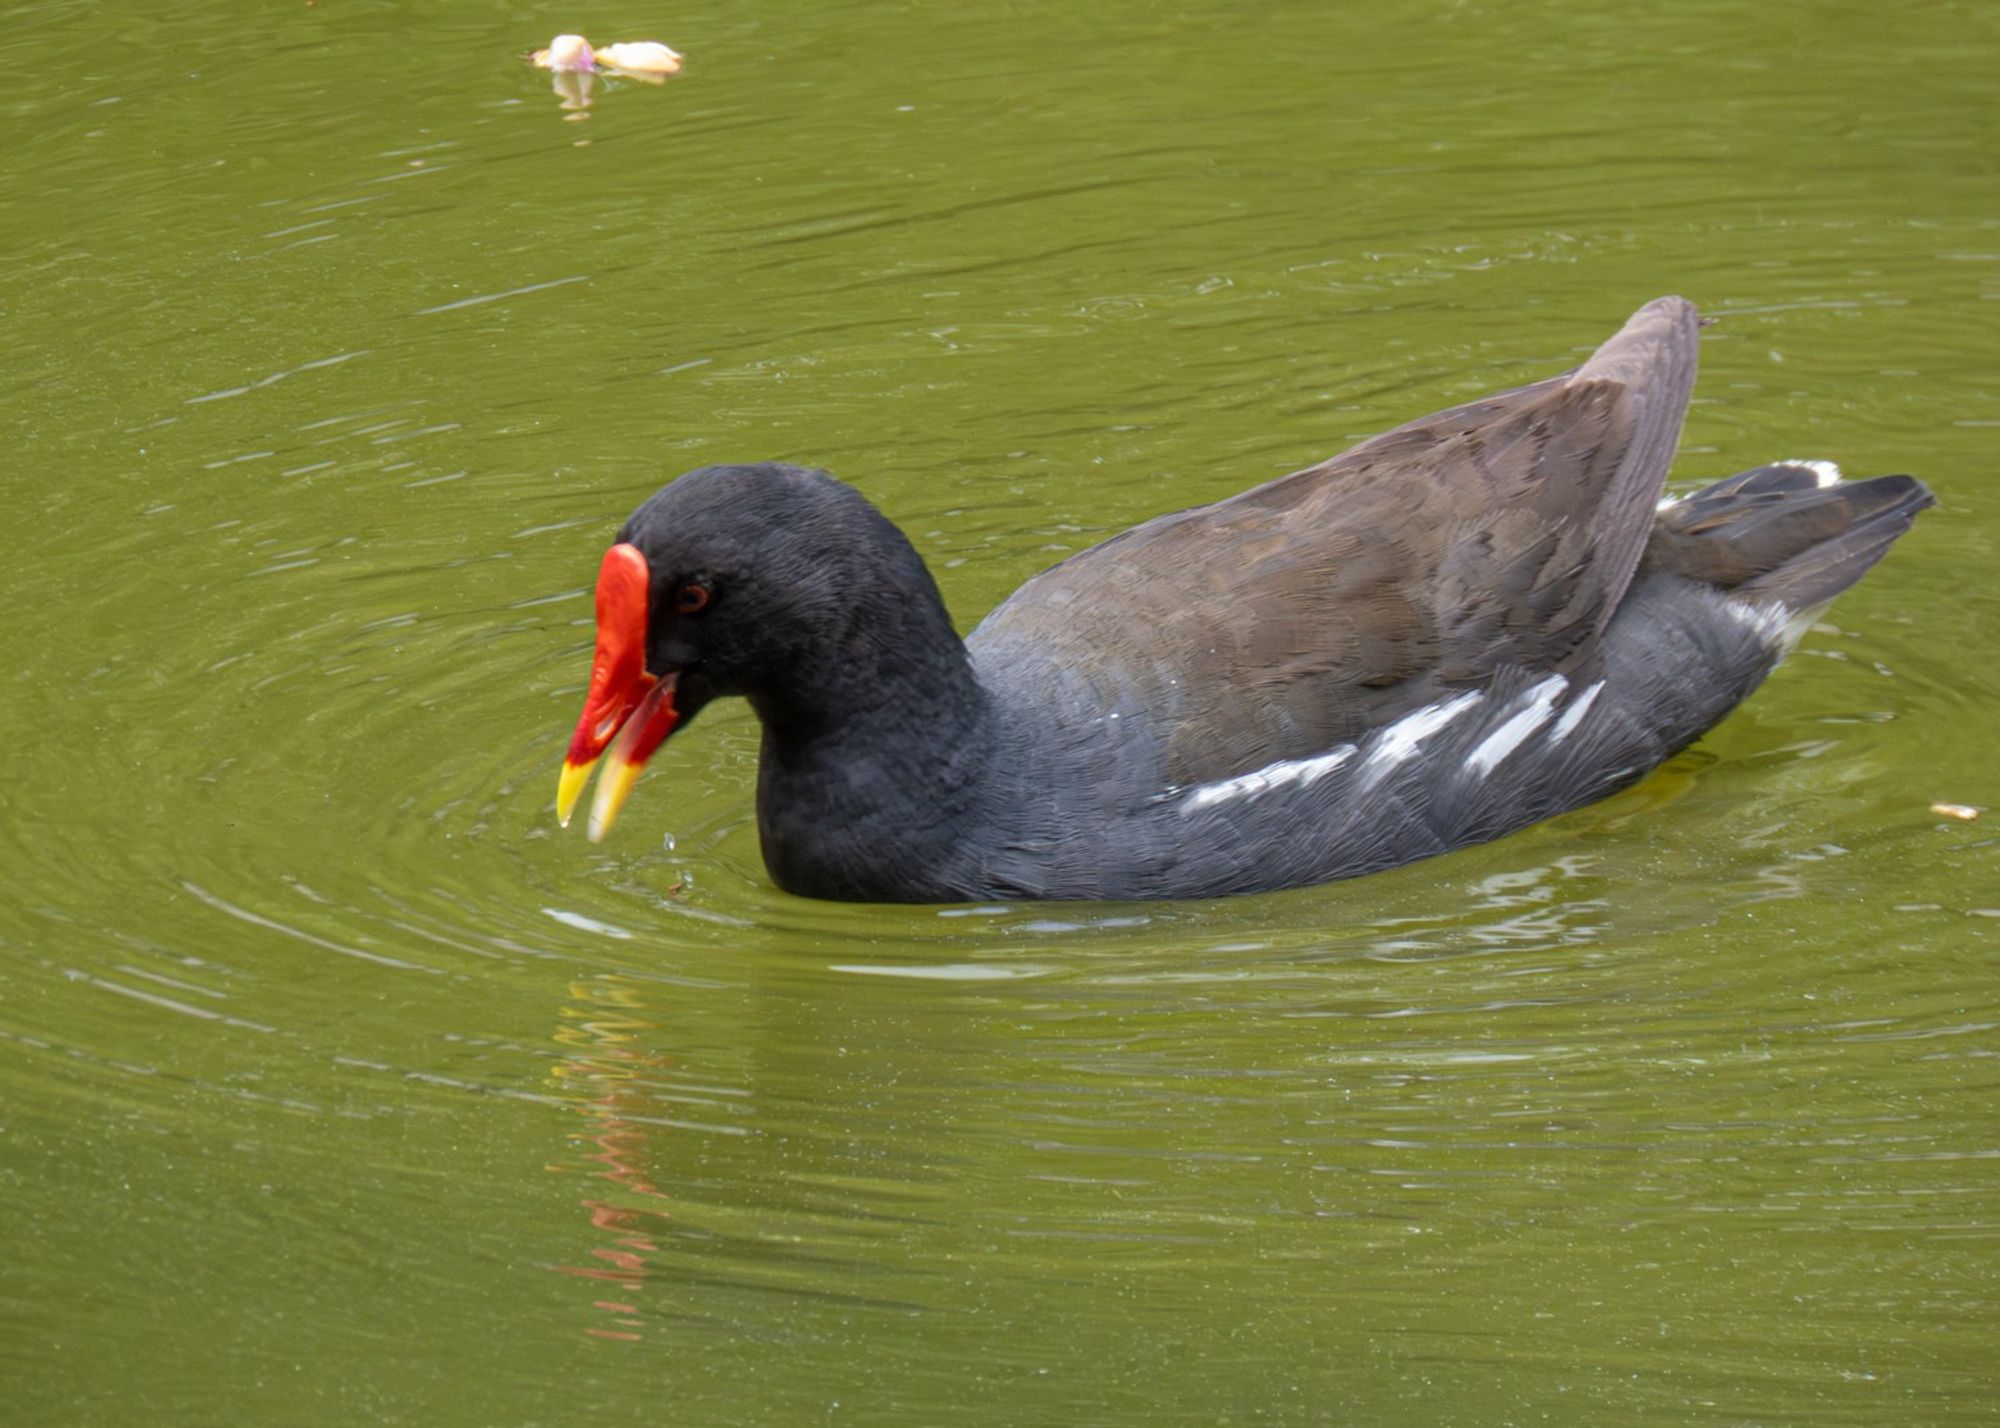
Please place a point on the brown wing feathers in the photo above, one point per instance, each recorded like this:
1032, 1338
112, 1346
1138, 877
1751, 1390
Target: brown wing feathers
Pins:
1503, 531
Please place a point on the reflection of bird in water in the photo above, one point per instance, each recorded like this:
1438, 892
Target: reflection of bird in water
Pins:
575, 66
602, 1058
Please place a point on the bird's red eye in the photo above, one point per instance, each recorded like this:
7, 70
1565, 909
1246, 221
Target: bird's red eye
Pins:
691, 598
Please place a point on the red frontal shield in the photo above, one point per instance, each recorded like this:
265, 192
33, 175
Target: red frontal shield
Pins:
619, 684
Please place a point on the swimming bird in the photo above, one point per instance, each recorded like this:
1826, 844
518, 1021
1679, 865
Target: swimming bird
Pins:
1453, 630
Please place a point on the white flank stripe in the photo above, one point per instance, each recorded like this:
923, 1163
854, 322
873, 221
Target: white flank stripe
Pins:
1291, 771
1573, 715
1541, 700
1401, 739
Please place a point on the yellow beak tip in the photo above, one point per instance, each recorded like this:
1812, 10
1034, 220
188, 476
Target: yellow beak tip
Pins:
612, 790
570, 788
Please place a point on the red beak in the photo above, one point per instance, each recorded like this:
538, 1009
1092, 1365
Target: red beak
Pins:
619, 689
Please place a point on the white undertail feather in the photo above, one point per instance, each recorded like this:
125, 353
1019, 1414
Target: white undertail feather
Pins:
1781, 626
1769, 621
1825, 472
1799, 622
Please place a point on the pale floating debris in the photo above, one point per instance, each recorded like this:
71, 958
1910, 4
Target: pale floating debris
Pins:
1965, 812
573, 54
574, 67
566, 54
641, 57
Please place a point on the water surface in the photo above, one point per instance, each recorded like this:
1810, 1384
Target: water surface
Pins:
337, 1084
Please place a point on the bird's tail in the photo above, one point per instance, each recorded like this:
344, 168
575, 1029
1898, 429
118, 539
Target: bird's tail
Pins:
1789, 536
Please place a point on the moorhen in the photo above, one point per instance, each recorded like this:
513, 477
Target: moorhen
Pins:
1467, 624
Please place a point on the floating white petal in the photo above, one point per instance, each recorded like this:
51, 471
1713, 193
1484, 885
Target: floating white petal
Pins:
641, 57
566, 54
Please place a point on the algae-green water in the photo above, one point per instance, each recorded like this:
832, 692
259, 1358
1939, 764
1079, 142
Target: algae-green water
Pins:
338, 1085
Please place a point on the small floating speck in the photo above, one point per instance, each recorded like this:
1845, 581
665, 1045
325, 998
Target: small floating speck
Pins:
1964, 812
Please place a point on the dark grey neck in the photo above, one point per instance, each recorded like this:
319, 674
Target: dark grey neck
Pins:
878, 753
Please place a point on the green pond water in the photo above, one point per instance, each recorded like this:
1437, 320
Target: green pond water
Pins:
338, 1085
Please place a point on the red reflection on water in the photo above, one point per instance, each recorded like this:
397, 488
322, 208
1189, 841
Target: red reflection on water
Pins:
603, 1064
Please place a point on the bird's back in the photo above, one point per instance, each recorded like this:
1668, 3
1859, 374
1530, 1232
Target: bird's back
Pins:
1296, 616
